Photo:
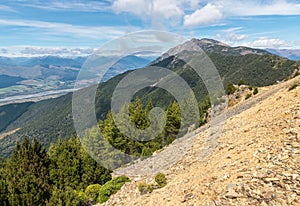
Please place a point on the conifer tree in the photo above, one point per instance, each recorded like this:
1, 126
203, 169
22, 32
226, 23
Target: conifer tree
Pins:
27, 176
189, 113
73, 167
3, 184
173, 123
203, 109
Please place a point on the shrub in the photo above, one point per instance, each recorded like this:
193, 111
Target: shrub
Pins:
250, 88
146, 152
145, 188
248, 96
241, 82
111, 187
161, 179
230, 89
92, 191
67, 196
255, 91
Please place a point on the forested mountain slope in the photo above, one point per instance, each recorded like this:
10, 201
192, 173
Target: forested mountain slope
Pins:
255, 161
51, 119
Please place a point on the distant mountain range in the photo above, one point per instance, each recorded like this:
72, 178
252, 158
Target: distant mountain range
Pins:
293, 54
51, 119
20, 75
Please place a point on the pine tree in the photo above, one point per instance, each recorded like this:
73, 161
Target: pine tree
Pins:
92, 172
109, 129
66, 197
72, 167
65, 170
149, 106
189, 113
139, 115
3, 184
203, 109
173, 123
28, 181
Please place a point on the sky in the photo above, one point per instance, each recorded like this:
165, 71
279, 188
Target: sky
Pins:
40, 27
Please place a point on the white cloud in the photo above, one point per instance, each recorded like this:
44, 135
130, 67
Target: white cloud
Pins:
33, 51
103, 32
3, 51
258, 7
6, 8
167, 8
215, 10
209, 14
297, 42
232, 36
265, 42
157, 11
73, 5
194, 4
137, 7
38, 51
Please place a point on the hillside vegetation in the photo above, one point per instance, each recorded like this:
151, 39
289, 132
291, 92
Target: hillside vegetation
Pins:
32, 176
51, 119
255, 161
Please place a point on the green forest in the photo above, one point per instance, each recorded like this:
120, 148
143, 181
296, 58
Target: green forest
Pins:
65, 174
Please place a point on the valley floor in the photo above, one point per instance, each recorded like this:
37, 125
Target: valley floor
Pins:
256, 160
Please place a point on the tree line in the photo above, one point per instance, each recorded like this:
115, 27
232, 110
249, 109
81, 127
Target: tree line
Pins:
65, 174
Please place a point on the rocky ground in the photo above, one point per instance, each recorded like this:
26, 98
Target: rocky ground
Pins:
255, 161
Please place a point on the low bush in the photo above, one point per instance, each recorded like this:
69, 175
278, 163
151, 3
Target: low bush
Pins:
161, 179
241, 82
111, 187
230, 89
145, 188
248, 96
255, 91
92, 192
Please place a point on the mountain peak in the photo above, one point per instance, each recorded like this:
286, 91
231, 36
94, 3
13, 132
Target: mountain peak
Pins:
206, 41
211, 46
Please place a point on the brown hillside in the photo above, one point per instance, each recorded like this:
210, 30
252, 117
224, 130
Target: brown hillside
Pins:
256, 161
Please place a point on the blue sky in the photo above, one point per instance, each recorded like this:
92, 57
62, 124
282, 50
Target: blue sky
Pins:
41, 26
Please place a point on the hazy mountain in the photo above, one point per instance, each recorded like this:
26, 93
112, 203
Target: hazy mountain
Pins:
51, 119
128, 63
7, 81
293, 54
211, 45
38, 74
43, 60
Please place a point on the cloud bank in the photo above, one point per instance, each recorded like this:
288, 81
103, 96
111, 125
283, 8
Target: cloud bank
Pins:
201, 13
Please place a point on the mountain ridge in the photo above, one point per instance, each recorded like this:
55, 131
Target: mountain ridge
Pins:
293, 54
52, 119
211, 45
255, 161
